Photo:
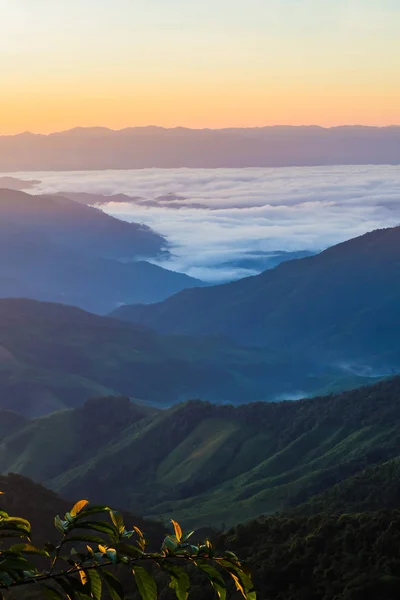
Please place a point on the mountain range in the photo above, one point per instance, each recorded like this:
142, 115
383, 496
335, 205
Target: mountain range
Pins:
144, 147
55, 249
340, 307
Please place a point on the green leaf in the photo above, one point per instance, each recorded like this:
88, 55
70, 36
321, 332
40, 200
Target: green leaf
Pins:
169, 544
17, 521
96, 584
129, 550
180, 582
240, 577
118, 521
215, 578
17, 563
52, 594
79, 506
59, 524
112, 555
6, 579
186, 536
27, 549
12, 534
114, 586
146, 585
67, 587
97, 526
94, 510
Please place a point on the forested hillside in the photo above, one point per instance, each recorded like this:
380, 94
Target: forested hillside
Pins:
349, 556
220, 465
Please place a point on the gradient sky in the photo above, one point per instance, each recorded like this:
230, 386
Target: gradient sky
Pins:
198, 63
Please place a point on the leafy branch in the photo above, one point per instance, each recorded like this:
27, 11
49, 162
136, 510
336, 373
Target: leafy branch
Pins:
95, 539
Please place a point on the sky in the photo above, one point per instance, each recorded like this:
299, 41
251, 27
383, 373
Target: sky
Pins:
198, 63
213, 218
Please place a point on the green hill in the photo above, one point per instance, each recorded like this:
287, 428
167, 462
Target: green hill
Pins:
214, 465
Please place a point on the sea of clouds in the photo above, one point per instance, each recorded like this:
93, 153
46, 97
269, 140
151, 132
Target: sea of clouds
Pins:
213, 217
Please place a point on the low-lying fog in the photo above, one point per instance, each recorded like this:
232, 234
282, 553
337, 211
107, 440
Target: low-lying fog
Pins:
213, 218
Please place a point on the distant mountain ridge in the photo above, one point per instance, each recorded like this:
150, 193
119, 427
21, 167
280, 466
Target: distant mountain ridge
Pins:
145, 147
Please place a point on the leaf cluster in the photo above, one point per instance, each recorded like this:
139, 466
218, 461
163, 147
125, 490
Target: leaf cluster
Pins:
94, 551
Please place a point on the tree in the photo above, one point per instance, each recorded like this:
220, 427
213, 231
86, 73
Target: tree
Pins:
96, 550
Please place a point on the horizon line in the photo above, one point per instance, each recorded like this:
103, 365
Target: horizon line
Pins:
99, 128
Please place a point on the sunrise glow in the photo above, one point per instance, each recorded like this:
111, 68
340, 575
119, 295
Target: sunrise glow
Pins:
120, 63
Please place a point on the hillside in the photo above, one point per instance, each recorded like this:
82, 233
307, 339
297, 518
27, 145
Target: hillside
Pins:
55, 249
55, 356
145, 147
220, 465
339, 307
350, 556
24, 498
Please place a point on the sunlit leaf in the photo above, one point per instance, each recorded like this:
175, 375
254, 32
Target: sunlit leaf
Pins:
178, 531
79, 506
146, 585
84, 577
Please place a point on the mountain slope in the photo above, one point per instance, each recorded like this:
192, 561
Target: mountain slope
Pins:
56, 356
342, 305
54, 249
215, 465
68, 224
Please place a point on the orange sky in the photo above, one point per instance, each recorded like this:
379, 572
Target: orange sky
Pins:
218, 63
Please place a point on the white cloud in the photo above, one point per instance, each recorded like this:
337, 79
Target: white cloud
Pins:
226, 213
